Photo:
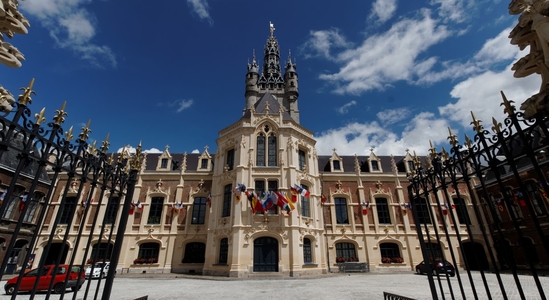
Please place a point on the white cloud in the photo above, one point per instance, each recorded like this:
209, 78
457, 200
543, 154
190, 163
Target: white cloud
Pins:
386, 57
184, 104
72, 27
383, 10
195, 151
391, 116
451, 10
345, 108
201, 8
322, 42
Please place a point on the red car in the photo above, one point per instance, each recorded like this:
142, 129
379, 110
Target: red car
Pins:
75, 282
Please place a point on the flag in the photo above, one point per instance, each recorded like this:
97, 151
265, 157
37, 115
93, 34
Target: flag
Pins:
139, 205
23, 200
323, 198
209, 200
177, 207
268, 201
240, 187
365, 207
2, 195
301, 191
290, 204
86, 203
445, 208
252, 198
132, 208
258, 205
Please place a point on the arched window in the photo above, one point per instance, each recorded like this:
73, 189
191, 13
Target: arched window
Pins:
345, 252
194, 253
390, 252
199, 210
305, 205
260, 153
342, 217
423, 211
101, 252
149, 252
266, 148
434, 251
223, 251
227, 196
33, 208
307, 252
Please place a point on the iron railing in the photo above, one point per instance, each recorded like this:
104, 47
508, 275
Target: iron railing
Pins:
33, 158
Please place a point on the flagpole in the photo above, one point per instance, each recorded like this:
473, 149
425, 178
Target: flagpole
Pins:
324, 219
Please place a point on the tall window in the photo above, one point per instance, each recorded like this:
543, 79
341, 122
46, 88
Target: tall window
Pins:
382, 208
375, 165
230, 159
164, 163
305, 205
411, 166
336, 165
534, 193
345, 251
149, 251
266, 148
461, 211
204, 163
260, 154
112, 210
390, 251
155, 214
223, 251
307, 252
434, 251
65, 209
272, 185
101, 251
33, 204
342, 217
199, 210
194, 253
227, 196
302, 161
422, 208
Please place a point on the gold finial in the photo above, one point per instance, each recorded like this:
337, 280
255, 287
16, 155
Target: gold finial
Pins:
92, 148
432, 150
68, 135
452, 138
60, 117
417, 163
445, 155
509, 107
476, 124
85, 131
111, 159
106, 144
39, 117
137, 160
497, 126
27, 92
468, 142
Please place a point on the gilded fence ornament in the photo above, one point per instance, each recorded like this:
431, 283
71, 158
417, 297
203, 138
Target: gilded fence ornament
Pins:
452, 138
432, 150
468, 142
445, 155
417, 163
92, 148
68, 135
60, 117
39, 117
111, 159
136, 162
497, 126
476, 124
25, 97
105, 145
509, 107
85, 131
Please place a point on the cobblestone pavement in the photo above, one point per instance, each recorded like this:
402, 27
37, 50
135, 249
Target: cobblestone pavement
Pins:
332, 286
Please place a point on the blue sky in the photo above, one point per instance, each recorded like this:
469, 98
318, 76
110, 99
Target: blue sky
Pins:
386, 74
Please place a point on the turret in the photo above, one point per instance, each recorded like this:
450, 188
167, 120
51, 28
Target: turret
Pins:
252, 90
291, 92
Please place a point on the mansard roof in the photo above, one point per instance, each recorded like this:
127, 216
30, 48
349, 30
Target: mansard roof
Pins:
348, 163
274, 107
192, 160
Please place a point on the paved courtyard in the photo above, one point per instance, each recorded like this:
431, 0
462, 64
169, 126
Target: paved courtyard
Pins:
333, 286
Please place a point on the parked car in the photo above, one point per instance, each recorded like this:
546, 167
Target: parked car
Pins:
75, 282
100, 269
440, 267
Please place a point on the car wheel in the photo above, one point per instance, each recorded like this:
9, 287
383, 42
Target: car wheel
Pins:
59, 288
76, 288
418, 271
10, 289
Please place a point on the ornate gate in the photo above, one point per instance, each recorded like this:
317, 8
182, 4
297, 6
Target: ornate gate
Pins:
32, 160
489, 194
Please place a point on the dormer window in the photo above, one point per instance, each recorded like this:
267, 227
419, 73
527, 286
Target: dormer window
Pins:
410, 165
336, 165
204, 163
164, 163
375, 165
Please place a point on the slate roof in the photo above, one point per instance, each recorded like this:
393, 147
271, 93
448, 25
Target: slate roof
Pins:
274, 107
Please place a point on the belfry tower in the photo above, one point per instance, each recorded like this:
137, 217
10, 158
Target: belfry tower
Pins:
271, 81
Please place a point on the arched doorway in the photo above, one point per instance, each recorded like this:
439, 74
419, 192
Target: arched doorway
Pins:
475, 256
101, 252
265, 255
55, 249
505, 254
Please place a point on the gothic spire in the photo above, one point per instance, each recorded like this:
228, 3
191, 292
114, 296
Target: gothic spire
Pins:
271, 73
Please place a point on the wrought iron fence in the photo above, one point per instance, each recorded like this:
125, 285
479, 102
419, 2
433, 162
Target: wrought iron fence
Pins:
486, 202
33, 159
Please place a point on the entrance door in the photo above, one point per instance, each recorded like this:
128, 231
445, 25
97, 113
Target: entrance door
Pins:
55, 249
475, 256
265, 255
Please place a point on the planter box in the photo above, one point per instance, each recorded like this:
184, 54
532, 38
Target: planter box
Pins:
353, 267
